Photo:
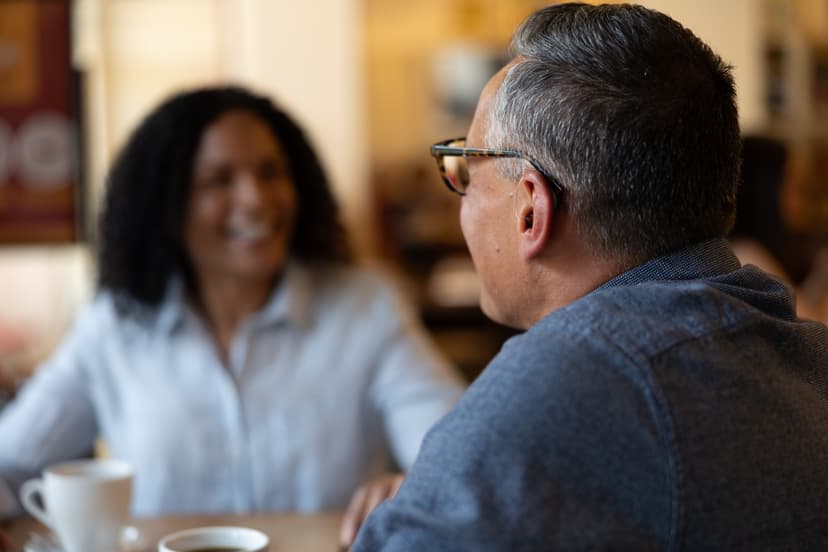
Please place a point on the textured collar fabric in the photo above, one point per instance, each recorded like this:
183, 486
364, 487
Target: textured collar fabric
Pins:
704, 260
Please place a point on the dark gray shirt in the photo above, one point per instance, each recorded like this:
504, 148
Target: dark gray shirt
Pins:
681, 406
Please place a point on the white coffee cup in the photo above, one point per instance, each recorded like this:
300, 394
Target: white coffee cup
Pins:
236, 539
85, 502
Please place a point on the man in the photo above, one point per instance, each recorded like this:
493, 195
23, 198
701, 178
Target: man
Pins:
662, 397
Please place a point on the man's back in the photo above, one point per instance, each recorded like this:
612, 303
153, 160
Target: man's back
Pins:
740, 389
680, 406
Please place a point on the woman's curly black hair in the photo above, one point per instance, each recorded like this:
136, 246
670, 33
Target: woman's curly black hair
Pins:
148, 189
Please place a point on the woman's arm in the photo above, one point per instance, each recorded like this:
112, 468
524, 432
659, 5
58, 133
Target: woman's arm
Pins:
414, 385
51, 419
412, 388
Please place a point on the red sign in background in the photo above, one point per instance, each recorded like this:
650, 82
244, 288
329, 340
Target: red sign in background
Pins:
38, 149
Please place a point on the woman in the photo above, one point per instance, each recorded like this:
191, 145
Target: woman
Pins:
766, 204
231, 355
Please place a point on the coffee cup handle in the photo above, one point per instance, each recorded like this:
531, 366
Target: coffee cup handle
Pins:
28, 491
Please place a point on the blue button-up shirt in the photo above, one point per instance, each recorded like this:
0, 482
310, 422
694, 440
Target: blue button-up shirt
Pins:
681, 406
328, 382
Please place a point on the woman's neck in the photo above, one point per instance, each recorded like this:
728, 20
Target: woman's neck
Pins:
225, 303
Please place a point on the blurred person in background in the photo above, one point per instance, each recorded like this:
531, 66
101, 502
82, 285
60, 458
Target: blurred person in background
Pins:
233, 355
661, 396
760, 235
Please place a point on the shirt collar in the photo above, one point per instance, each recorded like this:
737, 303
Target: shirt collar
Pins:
289, 302
702, 260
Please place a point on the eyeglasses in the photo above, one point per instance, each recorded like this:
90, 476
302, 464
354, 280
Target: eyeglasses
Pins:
452, 161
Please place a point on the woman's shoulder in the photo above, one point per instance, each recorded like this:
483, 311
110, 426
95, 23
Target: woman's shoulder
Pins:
95, 323
98, 311
104, 314
752, 252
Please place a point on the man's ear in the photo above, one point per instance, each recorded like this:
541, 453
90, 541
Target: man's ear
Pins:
535, 213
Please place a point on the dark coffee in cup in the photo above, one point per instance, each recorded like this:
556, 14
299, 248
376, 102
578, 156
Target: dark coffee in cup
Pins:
215, 539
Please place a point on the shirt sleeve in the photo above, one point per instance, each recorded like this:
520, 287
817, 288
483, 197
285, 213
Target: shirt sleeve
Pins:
535, 457
52, 418
413, 386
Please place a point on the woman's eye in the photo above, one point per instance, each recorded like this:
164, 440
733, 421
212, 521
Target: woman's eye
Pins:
273, 170
218, 179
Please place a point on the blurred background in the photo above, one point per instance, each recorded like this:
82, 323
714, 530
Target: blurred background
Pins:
374, 83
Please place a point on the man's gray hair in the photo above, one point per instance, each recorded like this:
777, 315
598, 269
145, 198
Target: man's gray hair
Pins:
634, 116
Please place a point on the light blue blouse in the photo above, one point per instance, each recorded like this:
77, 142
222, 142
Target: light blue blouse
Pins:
324, 384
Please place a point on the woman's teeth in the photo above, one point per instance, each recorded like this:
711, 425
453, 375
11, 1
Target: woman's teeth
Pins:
249, 232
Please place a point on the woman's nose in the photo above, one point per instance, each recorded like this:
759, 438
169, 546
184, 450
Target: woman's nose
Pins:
249, 190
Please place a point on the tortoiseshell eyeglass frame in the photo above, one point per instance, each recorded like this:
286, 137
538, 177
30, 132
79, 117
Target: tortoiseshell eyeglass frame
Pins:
452, 148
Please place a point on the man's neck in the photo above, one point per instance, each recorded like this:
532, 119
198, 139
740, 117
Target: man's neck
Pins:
565, 272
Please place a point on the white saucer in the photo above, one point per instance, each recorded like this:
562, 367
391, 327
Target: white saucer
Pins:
131, 541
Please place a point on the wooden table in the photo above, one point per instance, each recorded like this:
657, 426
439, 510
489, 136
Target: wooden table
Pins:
288, 532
